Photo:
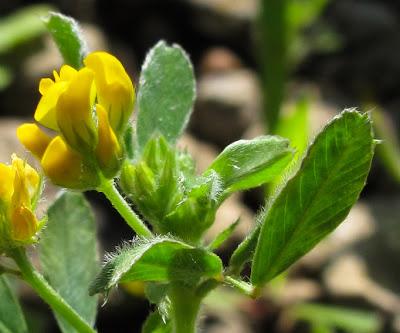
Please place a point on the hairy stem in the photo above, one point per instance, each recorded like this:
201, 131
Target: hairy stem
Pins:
242, 286
185, 309
110, 191
47, 293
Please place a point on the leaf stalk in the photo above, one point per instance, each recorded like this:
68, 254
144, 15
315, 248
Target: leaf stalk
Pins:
111, 192
47, 293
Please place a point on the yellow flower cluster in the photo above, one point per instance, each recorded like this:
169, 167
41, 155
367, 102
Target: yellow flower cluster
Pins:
88, 109
20, 187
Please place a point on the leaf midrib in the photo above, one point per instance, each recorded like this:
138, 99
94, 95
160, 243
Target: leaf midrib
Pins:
306, 211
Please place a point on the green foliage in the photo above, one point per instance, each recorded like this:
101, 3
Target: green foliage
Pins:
157, 260
166, 94
223, 236
246, 164
389, 148
22, 26
302, 13
152, 182
317, 198
282, 44
129, 143
6, 77
273, 54
68, 254
16, 29
177, 269
154, 324
67, 35
163, 185
333, 317
244, 252
196, 212
12, 319
295, 127
156, 292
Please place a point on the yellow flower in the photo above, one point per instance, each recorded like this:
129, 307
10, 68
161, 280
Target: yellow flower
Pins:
89, 110
115, 91
67, 168
64, 166
51, 90
20, 187
74, 112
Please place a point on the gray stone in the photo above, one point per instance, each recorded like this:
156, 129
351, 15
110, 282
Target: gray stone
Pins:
227, 104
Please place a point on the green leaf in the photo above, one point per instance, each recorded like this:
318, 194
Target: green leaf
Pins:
389, 149
272, 51
348, 320
157, 260
295, 126
244, 252
12, 319
68, 254
198, 205
22, 26
155, 324
129, 142
301, 14
321, 328
6, 77
156, 292
250, 163
166, 93
318, 197
223, 236
68, 37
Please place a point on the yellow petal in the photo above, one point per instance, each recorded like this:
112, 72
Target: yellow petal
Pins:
45, 85
6, 182
45, 112
33, 138
24, 224
74, 112
108, 150
56, 76
67, 73
115, 90
61, 164
29, 174
26, 183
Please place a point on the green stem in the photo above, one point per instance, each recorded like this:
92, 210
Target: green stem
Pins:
242, 286
47, 293
110, 191
185, 309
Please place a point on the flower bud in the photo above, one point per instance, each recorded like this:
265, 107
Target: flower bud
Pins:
20, 187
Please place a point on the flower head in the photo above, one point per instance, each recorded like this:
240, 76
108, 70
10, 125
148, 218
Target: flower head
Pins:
20, 187
89, 110
114, 87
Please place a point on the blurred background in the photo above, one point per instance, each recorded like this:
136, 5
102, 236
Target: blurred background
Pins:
263, 66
